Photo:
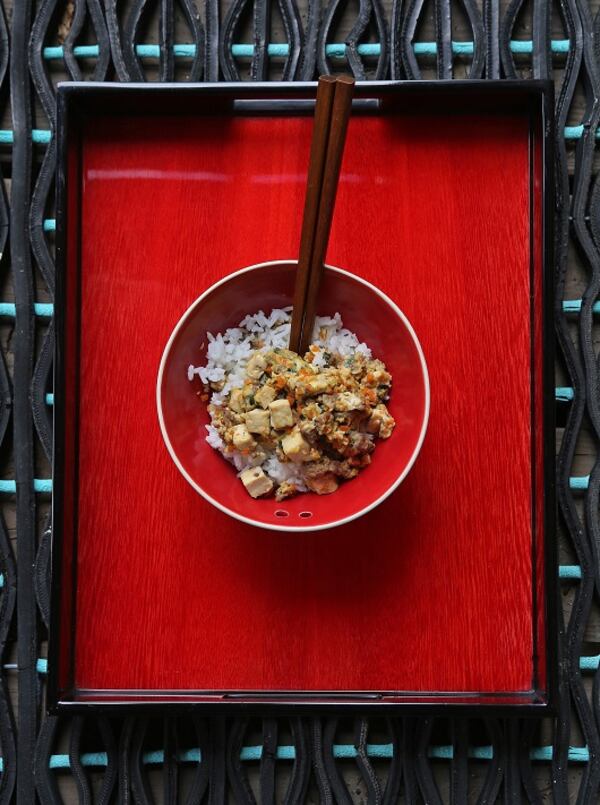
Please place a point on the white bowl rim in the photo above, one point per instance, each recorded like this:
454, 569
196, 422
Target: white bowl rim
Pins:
277, 527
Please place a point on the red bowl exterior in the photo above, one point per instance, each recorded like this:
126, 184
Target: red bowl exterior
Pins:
367, 312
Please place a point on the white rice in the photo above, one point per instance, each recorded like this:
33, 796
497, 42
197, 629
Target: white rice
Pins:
228, 353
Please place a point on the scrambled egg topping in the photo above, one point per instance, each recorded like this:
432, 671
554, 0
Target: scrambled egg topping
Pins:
325, 419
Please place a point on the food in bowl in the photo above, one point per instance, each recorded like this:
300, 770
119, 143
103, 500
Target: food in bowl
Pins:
182, 415
288, 423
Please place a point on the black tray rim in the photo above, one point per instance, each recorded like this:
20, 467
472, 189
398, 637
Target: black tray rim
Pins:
297, 98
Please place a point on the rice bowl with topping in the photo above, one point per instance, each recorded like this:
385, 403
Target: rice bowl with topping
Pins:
182, 406
292, 424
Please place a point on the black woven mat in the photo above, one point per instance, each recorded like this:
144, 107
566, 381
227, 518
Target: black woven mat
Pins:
192, 760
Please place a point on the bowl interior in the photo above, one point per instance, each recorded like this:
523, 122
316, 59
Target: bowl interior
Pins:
184, 414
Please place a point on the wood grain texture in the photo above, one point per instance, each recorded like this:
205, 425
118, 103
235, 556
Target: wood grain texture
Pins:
340, 115
432, 591
314, 185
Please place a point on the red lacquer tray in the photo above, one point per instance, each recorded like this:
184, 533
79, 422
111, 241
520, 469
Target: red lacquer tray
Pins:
441, 596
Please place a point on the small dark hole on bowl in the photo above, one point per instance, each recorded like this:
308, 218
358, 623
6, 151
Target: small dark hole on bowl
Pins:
305, 515
281, 513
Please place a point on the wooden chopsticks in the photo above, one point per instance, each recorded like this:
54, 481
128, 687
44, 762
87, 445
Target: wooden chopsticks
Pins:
332, 111
316, 166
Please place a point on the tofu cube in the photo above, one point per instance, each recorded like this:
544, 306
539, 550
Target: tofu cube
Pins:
319, 384
281, 414
256, 366
242, 439
265, 396
381, 422
257, 421
296, 447
256, 482
236, 401
348, 401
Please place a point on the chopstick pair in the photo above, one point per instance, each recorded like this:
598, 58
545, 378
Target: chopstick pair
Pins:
332, 111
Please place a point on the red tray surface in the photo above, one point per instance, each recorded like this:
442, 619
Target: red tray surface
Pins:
433, 590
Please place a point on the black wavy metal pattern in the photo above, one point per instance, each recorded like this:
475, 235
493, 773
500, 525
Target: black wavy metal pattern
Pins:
491, 24
300, 773
361, 731
261, 29
125, 47
405, 63
483, 35
332, 782
91, 10
590, 79
369, 11
235, 768
114, 36
410, 772
424, 772
7, 563
493, 780
573, 28
24, 346
46, 783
